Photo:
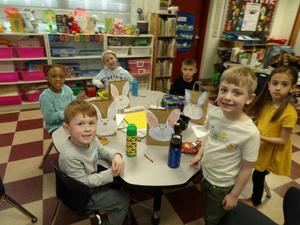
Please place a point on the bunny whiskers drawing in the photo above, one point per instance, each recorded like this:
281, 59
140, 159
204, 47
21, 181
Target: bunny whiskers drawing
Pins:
121, 100
192, 110
160, 131
107, 126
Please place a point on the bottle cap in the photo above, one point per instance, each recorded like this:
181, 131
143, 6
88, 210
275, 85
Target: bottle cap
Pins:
131, 129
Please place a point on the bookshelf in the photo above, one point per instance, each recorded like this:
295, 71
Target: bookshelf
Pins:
163, 29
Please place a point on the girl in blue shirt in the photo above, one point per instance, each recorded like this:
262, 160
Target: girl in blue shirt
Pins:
54, 99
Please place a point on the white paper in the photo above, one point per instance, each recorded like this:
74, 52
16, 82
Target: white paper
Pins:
251, 16
199, 131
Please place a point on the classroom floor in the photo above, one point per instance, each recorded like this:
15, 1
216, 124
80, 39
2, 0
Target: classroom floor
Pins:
22, 142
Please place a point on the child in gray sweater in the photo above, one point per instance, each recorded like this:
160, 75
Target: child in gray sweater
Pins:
78, 159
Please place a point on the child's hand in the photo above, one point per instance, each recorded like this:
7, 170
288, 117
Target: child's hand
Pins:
81, 95
118, 165
229, 202
194, 161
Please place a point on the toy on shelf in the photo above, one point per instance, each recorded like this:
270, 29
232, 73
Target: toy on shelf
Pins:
2, 27
118, 27
30, 22
49, 19
173, 9
73, 26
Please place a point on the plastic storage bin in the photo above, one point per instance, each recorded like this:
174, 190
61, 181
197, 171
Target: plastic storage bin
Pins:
32, 75
10, 100
9, 77
76, 90
32, 96
63, 51
30, 52
140, 50
6, 52
139, 67
119, 50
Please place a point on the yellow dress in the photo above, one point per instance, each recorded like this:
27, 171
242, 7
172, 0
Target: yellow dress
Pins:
271, 157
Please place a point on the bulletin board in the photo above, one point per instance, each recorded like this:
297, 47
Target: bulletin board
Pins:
250, 16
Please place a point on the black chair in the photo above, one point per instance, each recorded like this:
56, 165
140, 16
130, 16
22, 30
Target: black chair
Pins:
246, 215
14, 203
291, 206
73, 194
262, 80
46, 155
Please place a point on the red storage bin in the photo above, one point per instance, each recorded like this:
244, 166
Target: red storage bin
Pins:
9, 77
32, 75
30, 52
6, 52
32, 96
10, 100
139, 67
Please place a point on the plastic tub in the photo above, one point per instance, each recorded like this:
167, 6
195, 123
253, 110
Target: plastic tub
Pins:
9, 77
140, 50
32, 75
10, 100
119, 50
32, 96
30, 52
6, 52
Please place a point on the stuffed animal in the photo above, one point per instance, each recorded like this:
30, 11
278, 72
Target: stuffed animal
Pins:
2, 27
118, 27
173, 9
73, 26
29, 20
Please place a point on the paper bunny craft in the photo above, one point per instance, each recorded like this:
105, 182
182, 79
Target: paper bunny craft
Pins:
121, 100
194, 110
107, 126
161, 131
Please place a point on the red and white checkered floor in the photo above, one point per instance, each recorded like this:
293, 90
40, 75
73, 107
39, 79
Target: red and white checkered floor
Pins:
22, 143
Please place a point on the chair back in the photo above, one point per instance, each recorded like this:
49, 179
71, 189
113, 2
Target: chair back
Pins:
2, 190
262, 80
73, 193
291, 206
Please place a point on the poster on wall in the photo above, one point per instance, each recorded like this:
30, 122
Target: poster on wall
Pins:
249, 15
184, 31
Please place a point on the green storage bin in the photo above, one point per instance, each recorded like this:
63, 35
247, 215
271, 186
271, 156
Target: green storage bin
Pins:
76, 90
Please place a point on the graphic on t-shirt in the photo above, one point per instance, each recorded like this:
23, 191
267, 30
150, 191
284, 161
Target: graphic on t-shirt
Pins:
218, 135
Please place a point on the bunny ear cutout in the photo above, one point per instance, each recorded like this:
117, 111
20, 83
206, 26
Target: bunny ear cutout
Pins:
112, 110
125, 90
114, 90
151, 119
188, 95
99, 116
202, 98
173, 117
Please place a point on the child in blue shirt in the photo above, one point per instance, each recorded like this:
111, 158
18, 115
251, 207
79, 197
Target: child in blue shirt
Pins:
54, 99
112, 70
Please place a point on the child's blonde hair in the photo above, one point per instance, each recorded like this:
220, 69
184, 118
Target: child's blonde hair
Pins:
49, 68
79, 107
240, 76
108, 52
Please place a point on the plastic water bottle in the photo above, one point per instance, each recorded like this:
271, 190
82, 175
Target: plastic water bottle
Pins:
135, 88
175, 151
131, 140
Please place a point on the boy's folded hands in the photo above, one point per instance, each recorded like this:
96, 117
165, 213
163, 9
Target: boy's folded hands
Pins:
118, 165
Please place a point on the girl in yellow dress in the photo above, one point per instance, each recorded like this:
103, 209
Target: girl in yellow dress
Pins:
276, 118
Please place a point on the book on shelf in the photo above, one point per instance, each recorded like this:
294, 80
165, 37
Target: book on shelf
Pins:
167, 26
165, 48
164, 68
162, 85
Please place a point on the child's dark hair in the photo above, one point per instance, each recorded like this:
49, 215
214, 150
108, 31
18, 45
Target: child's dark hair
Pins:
189, 62
264, 97
79, 107
48, 68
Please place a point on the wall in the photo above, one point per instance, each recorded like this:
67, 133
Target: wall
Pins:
283, 21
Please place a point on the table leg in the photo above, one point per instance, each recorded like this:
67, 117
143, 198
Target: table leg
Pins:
156, 207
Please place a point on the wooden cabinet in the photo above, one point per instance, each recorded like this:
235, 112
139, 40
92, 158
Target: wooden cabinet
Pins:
163, 28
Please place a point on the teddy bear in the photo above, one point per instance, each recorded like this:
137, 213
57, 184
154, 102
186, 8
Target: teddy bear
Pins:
118, 27
73, 26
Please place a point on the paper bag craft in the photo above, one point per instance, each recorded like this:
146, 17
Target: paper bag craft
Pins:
161, 125
119, 92
106, 112
196, 104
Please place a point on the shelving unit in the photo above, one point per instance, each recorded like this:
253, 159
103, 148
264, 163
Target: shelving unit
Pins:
135, 54
82, 56
18, 59
163, 28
